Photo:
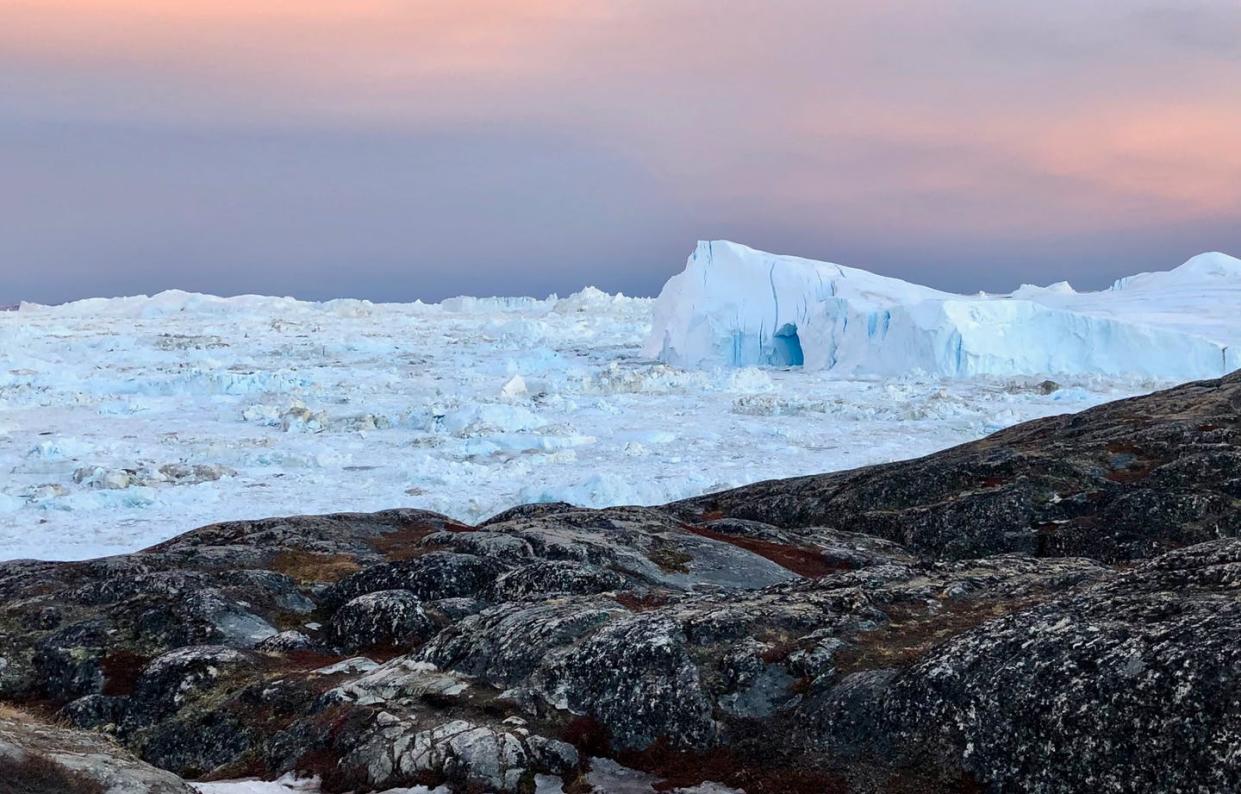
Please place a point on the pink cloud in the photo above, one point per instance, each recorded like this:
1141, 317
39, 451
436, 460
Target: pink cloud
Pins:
937, 118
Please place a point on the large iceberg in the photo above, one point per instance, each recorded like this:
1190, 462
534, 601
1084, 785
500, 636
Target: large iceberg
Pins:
736, 306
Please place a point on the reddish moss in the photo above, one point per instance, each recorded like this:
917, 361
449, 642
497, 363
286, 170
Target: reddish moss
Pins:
333, 719
403, 544
248, 766
911, 782
778, 652
682, 769
671, 559
324, 763
641, 602
590, 736
406, 543
121, 669
311, 566
302, 659
1131, 474
35, 774
800, 560
1138, 469
914, 630
801, 686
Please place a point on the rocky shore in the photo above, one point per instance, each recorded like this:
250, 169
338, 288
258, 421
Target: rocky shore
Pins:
1054, 608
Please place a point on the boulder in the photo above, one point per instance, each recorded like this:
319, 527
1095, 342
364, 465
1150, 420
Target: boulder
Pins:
383, 619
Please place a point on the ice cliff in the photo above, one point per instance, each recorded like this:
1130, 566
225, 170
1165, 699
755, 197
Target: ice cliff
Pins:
736, 306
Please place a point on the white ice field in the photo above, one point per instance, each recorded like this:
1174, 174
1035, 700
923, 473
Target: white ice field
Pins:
126, 421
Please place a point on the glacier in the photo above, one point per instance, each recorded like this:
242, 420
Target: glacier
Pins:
737, 306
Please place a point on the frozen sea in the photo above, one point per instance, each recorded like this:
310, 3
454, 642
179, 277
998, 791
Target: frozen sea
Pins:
127, 421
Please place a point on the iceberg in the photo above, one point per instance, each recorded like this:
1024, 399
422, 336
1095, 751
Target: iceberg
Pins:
737, 306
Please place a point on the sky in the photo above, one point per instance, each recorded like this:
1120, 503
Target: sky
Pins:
398, 149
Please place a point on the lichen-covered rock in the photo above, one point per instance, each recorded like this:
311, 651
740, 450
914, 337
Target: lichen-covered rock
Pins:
757, 684
459, 752
70, 660
402, 678
215, 618
432, 576
285, 641
636, 675
363, 536
1035, 700
510, 548
505, 643
383, 619
554, 576
553, 755
450, 610
837, 549
532, 510
95, 711
646, 546
169, 681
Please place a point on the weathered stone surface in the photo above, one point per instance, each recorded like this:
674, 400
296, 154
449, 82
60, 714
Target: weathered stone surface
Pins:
402, 678
554, 576
636, 676
1156, 650
505, 643
286, 641
174, 678
95, 711
70, 660
429, 577
383, 619
41, 758
456, 751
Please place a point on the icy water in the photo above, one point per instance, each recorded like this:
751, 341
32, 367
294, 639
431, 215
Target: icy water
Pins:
127, 421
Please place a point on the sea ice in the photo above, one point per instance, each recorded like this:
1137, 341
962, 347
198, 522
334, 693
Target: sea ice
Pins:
126, 421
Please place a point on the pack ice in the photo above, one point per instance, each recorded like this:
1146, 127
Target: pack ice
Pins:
125, 421
737, 306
